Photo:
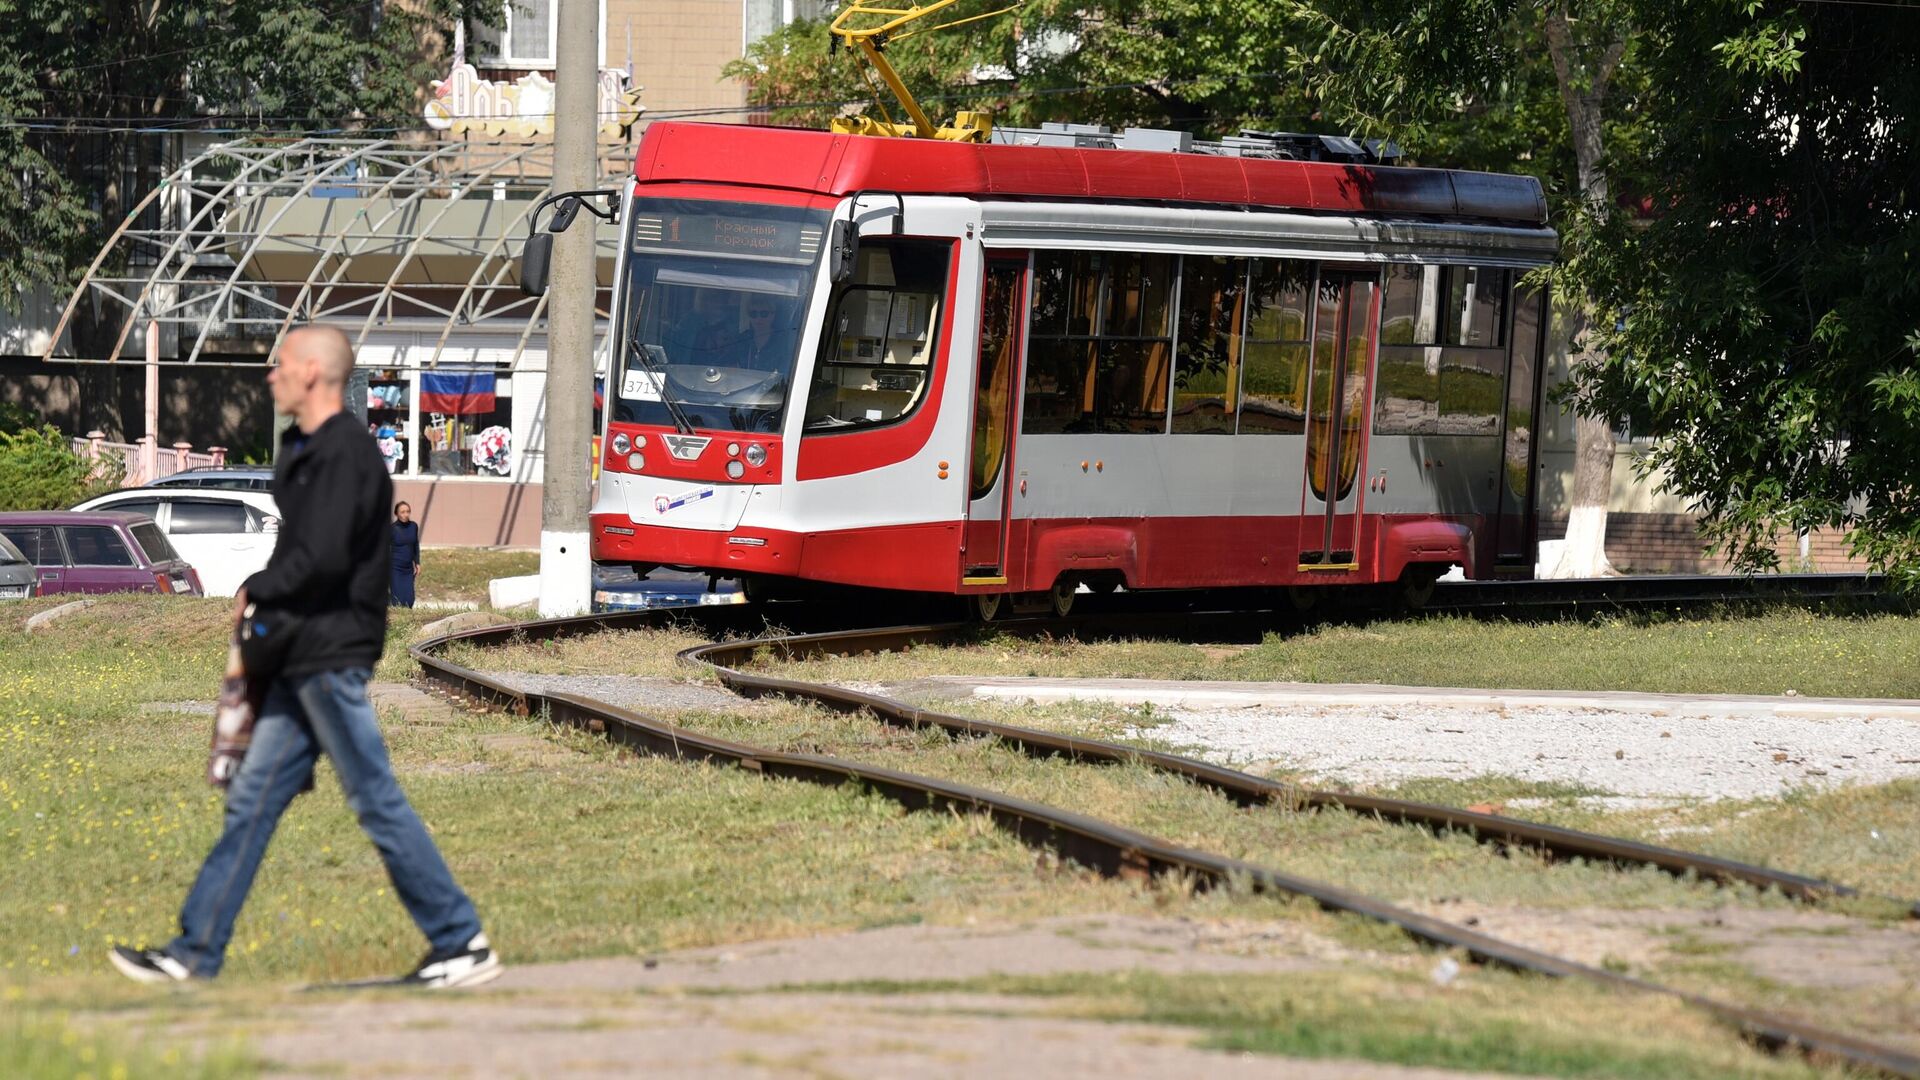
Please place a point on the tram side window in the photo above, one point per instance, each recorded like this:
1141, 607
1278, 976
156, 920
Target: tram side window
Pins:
1274, 387
1475, 307
1100, 354
1206, 374
1442, 351
1066, 303
1407, 391
876, 355
1473, 371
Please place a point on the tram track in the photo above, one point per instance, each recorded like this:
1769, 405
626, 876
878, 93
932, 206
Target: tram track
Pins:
1116, 850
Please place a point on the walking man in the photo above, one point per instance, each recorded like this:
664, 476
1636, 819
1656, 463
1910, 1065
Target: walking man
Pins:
329, 575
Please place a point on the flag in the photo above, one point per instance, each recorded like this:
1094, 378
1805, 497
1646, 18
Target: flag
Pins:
460, 393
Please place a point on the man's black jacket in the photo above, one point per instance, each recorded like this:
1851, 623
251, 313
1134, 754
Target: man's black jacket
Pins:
329, 564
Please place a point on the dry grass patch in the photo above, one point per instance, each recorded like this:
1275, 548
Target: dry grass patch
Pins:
1821, 654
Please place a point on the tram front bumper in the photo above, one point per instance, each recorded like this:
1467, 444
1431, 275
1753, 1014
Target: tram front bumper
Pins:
616, 538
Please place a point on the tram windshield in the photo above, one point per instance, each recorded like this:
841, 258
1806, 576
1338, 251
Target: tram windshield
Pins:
717, 298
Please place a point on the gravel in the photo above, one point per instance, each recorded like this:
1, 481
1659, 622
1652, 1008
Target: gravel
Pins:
1666, 746
1628, 746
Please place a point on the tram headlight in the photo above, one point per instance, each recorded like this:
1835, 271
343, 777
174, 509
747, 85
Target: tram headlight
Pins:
636, 461
620, 444
735, 470
756, 455
639, 442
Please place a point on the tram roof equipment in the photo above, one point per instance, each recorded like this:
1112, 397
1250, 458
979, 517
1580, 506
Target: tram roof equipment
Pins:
1095, 166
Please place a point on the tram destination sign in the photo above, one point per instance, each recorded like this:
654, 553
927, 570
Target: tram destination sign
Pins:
740, 231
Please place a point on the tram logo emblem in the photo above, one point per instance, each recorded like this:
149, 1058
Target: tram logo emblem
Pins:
662, 504
685, 447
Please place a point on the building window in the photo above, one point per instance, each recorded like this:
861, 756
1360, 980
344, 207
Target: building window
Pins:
524, 38
527, 36
465, 421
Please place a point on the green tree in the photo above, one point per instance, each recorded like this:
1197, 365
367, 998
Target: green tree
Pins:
1208, 67
40, 471
80, 80
1769, 311
1475, 83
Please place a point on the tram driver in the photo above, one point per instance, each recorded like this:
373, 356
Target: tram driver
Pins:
702, 335
769, 341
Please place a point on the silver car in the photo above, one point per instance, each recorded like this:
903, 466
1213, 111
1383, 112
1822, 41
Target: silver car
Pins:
17, 579
226, 477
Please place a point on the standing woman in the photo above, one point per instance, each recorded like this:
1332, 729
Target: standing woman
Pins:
406, 554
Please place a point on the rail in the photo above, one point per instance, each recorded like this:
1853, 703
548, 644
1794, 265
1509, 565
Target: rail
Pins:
1118, 851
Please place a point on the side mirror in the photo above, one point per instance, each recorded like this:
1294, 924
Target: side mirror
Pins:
843, 250
563, 217
533, 264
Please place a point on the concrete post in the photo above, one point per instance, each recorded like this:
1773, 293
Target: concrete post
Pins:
218, 454
180, 452
150, 446
566, 572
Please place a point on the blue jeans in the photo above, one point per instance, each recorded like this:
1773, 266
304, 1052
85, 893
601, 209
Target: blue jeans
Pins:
303, 717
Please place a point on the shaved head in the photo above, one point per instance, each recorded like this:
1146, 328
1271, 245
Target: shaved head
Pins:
309, 383
327, 347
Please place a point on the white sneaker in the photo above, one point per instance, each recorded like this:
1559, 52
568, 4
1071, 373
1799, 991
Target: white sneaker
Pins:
148, 965
470, 965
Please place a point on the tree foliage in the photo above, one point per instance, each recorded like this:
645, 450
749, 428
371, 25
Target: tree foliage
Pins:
40, 471
1209, 67
81, 80
1767, 313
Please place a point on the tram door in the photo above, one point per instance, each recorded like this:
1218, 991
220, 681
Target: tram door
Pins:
1343, 329
1002, 302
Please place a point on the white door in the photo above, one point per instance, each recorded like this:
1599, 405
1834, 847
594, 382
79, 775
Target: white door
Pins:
220, 540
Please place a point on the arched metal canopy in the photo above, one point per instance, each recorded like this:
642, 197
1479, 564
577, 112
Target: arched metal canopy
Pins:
251, 237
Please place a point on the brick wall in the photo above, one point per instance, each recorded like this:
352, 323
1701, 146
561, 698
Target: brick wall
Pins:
1672, 544
679, 47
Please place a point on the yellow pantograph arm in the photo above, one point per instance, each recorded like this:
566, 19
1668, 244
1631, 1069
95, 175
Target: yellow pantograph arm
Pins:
867, 42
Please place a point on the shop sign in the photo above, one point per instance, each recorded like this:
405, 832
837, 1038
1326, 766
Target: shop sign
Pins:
466, 104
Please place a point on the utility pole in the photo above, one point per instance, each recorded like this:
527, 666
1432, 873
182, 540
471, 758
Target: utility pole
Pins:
566, 571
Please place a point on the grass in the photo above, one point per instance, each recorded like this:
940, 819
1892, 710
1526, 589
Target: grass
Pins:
1405, 864
461, 574
572, 850
53, 1048
569, 849
1789, 650
1867, 836
648, 653
1485, 1021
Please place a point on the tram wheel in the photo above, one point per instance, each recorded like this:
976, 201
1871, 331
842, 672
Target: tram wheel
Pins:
1303, 598
1417, 584
987, 607
1060, 597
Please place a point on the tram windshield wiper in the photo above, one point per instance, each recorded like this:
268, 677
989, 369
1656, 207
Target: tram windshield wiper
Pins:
659, 372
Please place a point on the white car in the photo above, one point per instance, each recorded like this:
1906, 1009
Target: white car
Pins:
225, 535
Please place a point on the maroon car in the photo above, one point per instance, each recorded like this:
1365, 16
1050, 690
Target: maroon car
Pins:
98, 552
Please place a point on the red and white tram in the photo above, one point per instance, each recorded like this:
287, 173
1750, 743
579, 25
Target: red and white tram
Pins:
1011, 368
